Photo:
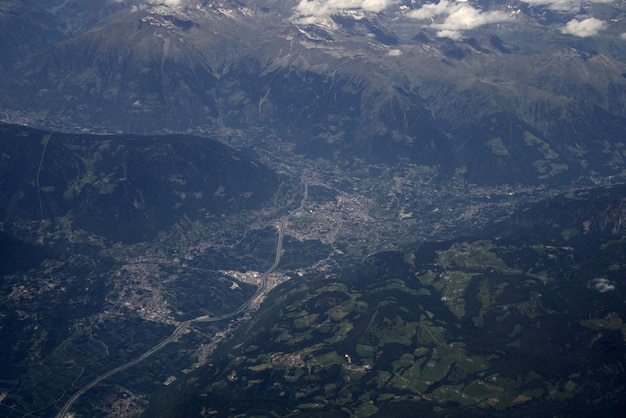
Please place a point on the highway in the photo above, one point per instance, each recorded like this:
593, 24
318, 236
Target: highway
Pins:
181, 328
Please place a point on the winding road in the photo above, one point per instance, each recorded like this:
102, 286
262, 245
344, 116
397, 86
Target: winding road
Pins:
181, 328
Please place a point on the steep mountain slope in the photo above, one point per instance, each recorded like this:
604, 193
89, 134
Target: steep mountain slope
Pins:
361, 126
499, 106
576, 217
80, 16
26, 30
490, 327
124, 187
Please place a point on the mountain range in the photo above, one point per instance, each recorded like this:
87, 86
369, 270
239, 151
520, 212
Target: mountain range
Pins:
514, 96
312, 207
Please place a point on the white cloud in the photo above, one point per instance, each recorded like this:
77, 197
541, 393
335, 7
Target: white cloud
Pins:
564, 6
156, 4
170, 3
394, 53
457, 17
584, 28
623, 36
308, 11
431, 10
602, 285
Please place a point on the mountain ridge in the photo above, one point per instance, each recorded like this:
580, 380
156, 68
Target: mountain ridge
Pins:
426, 178
155, 69
124, 187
